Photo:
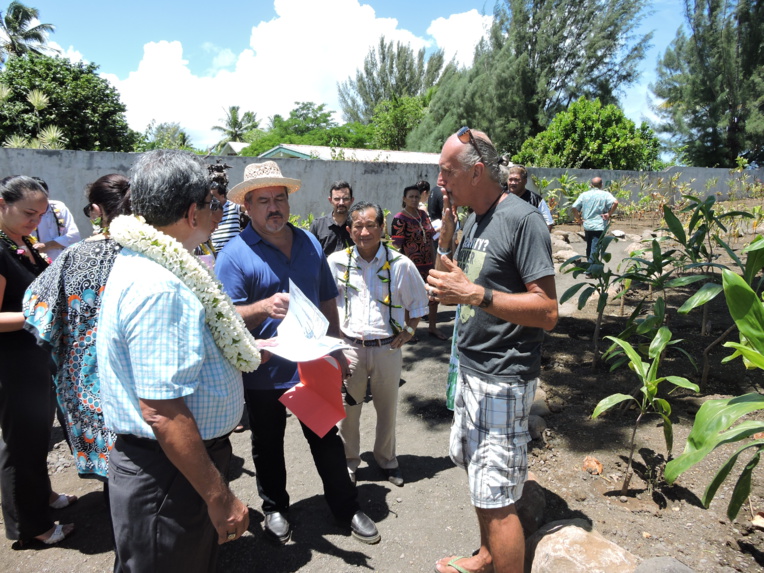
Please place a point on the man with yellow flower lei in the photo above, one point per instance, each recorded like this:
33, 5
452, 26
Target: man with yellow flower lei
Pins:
382, 297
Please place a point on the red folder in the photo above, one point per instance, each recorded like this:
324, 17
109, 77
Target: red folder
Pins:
317, 399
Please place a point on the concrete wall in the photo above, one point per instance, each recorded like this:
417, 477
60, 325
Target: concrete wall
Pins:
68, 172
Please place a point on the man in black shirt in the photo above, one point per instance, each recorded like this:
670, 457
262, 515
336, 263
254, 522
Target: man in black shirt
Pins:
331, 230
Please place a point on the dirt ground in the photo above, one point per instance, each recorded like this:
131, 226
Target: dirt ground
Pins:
431, 517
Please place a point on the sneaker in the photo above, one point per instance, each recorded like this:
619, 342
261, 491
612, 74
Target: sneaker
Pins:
394, 476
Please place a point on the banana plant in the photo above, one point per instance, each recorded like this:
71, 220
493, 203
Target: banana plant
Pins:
649, 402
713, 423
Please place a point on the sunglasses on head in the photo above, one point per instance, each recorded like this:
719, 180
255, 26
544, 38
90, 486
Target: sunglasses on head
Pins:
465, 136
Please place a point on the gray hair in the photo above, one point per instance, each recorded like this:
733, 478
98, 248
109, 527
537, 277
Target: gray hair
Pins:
469, 156
164, 183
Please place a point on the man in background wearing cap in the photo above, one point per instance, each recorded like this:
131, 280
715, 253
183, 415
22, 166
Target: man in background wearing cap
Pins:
255, 269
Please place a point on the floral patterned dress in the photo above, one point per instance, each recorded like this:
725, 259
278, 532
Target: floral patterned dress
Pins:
62, 307
413, 237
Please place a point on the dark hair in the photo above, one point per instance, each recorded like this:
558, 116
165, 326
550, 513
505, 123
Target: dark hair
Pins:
423, 186
165, 183
337, 185
16, 187
42, 184
112, 194
406, 190
362, 206
220, 186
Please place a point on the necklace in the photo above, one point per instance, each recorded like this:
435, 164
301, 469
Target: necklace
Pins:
20, 252
227, 327
418, 219
388, 300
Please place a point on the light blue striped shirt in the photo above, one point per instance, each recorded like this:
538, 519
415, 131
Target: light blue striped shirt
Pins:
153, 344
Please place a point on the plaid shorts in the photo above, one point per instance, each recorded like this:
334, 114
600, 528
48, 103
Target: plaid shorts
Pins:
489, 436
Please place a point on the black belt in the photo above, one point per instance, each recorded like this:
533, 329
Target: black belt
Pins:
153, 445
375, 342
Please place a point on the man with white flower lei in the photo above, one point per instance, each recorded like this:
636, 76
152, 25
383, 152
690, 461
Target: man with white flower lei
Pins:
382, 297
169, 391
255, 269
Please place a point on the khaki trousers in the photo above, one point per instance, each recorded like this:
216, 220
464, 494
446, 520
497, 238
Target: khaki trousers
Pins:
382, 365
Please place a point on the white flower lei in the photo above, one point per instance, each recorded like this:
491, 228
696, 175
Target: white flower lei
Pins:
227, 327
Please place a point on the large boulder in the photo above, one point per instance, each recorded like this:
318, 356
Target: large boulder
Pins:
572, 546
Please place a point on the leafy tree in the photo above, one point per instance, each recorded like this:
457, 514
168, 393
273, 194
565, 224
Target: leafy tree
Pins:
303, 119
235, 125
389, 71
164, 136
589, 135
710, 84
20, 36
540, 56
394, 119
85, 107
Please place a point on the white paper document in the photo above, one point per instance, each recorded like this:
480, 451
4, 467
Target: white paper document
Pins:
301, 336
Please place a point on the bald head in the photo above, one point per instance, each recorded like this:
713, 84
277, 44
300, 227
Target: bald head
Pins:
597, 182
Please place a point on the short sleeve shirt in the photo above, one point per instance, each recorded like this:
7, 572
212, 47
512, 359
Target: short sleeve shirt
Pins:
504, 250
252, 269
333, 237
592, 204
153, 344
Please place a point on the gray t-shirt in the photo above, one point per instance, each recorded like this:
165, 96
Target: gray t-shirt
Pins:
503, 250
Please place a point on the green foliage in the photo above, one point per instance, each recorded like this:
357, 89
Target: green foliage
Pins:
20, 37
236, 125
394, 119
589, 135
539, 57
388, 72
649, 402
310, 124
713, 421
85, 107
164, 136
710, 84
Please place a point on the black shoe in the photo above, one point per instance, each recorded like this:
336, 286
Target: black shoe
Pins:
363, 528
277, 527
394, 476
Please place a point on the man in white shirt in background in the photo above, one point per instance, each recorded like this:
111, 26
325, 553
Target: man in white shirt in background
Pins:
57, 229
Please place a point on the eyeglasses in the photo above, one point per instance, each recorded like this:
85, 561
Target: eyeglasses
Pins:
214, 204
465, 136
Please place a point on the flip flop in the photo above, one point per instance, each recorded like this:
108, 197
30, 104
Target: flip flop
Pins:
57, 536
453, 564
439, 335
62, 501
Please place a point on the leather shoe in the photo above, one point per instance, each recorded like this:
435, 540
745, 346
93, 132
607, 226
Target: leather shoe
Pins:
394, 476
278, 527
363, 528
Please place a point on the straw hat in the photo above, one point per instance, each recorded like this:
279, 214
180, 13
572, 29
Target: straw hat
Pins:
259, 175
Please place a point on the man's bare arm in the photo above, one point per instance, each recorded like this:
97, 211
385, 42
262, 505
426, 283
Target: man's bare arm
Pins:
256, 313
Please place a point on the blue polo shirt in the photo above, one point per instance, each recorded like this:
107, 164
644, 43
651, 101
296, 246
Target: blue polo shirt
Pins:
252, 269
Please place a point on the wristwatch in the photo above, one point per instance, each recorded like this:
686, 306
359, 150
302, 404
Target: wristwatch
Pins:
410, 330
487, 298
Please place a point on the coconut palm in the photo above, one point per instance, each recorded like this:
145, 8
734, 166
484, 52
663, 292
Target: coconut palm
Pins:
20, 37
236, 124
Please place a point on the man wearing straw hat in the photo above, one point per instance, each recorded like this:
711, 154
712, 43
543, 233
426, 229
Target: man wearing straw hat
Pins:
255, 269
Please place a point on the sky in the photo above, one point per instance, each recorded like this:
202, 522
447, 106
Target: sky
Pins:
187, 62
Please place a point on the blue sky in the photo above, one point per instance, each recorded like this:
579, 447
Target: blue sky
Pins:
187, 61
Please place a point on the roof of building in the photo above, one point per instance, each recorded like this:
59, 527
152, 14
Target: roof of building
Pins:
348, 154
233, 148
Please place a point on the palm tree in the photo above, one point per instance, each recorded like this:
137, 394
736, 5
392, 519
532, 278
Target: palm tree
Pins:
20, 38
235, 125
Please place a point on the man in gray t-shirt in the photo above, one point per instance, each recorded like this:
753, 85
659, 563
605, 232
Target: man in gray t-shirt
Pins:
503, 280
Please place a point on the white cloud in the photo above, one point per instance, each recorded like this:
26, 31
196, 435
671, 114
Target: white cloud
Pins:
299, 55
458, 34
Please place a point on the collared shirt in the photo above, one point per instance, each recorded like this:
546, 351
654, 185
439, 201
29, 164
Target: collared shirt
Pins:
57, 225
592, 204
368, 316
333, 237
229, 227
153, 344
252, 269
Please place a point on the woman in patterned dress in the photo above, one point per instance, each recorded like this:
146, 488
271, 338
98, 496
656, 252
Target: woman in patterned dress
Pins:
411, 233
62, 308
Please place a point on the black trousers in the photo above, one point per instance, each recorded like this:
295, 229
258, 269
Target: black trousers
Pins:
267, 419
592, 238
160, 522
26, 414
